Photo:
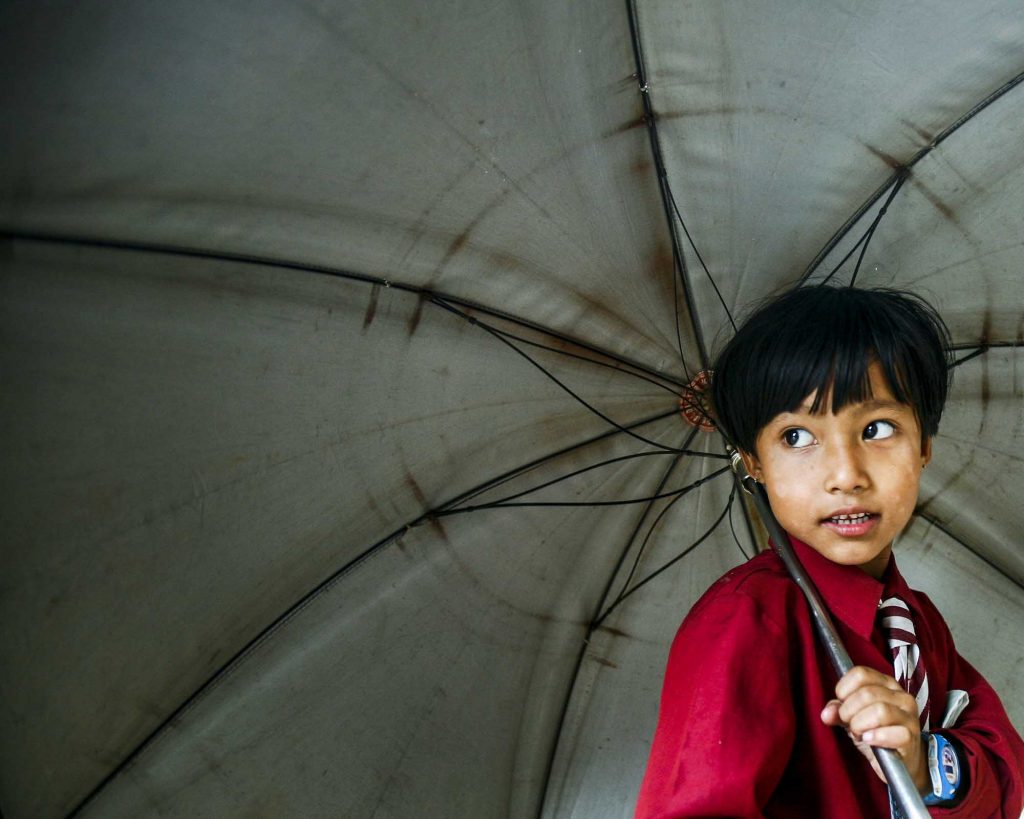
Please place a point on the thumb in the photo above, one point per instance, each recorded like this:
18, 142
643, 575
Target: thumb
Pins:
830, 713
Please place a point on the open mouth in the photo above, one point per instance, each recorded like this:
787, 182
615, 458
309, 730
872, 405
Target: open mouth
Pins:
859, 517
852, 524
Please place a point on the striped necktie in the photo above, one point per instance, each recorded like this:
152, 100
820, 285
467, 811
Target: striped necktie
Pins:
908, 666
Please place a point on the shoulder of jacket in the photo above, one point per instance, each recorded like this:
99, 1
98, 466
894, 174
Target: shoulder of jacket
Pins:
761, 584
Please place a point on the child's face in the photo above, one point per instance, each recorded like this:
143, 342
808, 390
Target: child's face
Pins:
863, 462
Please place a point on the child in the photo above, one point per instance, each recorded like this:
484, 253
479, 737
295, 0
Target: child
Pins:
832, 395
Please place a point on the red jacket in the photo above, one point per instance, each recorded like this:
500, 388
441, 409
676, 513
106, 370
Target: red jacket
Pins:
739, 732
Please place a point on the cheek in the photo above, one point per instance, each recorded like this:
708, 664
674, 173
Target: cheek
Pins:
906, 485
786, 500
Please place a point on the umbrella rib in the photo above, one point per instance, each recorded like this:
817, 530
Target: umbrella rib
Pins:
865, 239
673, 493
979, 349
904, 170
500, 337
934, 521
700, 258
735, 537
591, 626
566, 353
505, 501
496, 482
651, 121
596, 623
278, 622
338, 273
647, 579
983, 346
639, 553
627, 590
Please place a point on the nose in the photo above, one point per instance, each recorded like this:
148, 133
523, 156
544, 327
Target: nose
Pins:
846, 470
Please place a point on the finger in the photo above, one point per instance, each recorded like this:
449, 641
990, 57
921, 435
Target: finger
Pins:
882, 715
830, 713
896, 737
865, 698
860, 676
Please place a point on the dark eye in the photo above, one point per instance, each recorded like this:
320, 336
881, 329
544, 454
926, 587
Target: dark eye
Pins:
877, 430
797, 438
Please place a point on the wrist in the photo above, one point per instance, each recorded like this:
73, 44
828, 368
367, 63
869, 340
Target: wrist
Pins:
922, 778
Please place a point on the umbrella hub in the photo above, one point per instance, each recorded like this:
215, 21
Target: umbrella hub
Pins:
694, 402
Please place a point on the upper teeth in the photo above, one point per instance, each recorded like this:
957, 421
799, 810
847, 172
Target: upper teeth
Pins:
858, 516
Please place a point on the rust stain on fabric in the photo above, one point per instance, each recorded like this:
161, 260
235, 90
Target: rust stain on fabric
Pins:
888, 159
457, 244
662, 268
921, 132
636, 122
937, 203
438, 527
414, 319
986, 328
626, 82
615, 632
421, 499
685, 113
947, 212
417, 492
505, 261
371, 308
642, 167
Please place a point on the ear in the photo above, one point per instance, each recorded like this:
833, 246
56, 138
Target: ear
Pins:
926, 451
752, 464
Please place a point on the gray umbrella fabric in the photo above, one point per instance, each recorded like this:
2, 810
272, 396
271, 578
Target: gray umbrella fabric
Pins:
307, 311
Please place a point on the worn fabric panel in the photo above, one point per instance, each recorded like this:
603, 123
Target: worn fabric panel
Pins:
952, 231
984, 607
408, 683
777, 127
491, 150
193, 446
971, 488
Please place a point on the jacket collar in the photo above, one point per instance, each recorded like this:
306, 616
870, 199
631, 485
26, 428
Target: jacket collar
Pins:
852, 595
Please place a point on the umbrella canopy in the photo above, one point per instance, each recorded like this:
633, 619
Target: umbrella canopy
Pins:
341, 349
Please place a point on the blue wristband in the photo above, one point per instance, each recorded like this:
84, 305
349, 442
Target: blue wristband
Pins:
944, 770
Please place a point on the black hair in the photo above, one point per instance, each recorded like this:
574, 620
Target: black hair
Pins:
823, 339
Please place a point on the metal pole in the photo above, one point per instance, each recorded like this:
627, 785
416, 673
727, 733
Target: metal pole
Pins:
903, 789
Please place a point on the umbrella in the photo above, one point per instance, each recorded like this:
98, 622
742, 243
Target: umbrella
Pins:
309, 312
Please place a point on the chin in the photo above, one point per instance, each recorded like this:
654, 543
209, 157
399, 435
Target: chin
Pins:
851, 554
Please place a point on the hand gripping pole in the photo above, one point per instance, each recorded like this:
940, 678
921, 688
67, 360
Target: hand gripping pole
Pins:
903, 790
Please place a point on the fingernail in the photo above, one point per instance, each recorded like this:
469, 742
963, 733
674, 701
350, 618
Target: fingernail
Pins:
867, 736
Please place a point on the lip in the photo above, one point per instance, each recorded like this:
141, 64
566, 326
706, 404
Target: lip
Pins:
864, 523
